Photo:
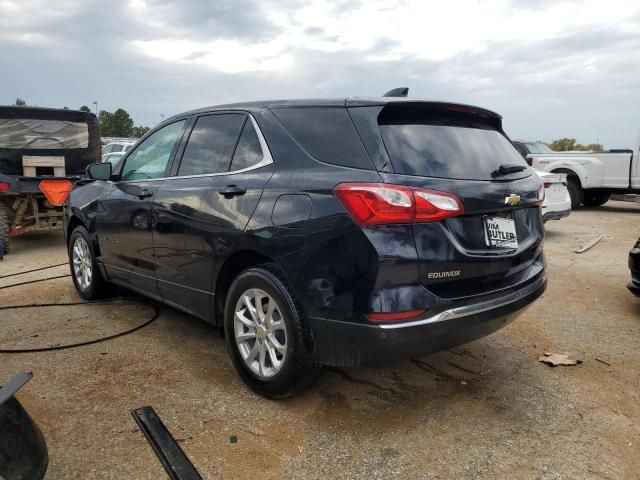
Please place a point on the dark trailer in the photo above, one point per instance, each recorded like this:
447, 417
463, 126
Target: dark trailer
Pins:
42, 151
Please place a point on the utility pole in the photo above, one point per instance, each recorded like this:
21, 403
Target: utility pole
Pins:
161, 117
96, 104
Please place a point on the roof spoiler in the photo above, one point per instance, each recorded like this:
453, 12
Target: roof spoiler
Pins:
397, 92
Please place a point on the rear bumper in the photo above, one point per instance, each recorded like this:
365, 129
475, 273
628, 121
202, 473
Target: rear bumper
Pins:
556, 215
346, 344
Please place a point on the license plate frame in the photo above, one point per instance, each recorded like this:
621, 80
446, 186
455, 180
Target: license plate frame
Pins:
500, 232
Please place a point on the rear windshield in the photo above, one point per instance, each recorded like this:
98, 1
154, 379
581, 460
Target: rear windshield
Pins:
43, 134
444, 141
448, 151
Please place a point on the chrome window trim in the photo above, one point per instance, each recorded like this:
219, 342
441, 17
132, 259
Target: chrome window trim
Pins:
267, 159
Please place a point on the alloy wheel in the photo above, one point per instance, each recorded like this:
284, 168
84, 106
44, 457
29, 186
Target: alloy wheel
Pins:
260, 333
82, 263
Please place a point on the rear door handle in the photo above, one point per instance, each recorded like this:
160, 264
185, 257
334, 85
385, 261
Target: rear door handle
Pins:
144, 193
231, 191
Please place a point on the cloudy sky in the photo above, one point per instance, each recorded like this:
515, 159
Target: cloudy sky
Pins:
551, 68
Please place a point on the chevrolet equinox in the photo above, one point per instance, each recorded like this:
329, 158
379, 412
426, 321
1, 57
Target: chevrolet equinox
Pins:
319, 232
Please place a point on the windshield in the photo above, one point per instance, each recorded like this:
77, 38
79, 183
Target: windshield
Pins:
449, 151
538, 147
43, 134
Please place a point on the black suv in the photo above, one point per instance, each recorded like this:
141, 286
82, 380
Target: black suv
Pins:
319, 232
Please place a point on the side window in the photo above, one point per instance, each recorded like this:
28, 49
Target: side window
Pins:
248, 152
211, 144
117, 148
327, 134
150, 158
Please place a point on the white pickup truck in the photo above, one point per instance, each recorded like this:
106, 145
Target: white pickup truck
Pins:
591, 176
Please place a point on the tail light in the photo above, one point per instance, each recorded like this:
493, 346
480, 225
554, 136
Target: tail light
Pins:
547, 184
4, 187
381, 203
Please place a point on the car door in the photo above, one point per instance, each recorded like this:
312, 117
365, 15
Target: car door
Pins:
201, 212
123, 213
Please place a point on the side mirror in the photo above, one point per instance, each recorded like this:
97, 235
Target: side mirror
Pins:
99, 171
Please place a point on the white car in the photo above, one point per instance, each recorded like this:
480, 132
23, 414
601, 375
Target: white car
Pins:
557, 202
119, 146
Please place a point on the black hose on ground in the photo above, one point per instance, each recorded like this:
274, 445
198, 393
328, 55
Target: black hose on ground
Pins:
119, 300
33, 270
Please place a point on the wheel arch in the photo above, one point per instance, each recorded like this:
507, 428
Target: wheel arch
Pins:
230, 269
74, 222
569, 173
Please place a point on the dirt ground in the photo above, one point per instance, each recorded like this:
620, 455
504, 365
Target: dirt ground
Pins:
484, 410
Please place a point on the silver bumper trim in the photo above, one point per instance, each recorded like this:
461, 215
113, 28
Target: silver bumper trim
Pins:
472, 309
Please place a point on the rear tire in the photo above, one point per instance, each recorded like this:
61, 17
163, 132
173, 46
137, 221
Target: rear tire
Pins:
84, 268
266, 334
4, 226
595, 199
575, 192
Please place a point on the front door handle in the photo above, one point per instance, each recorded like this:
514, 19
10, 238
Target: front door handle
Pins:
231, 191
144, 193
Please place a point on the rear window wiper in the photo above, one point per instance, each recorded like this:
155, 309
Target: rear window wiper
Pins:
507, 169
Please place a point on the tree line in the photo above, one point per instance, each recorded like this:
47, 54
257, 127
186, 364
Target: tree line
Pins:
569, 144
112, 124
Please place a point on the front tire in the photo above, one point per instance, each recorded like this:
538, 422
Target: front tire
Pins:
84, 268
575, 192
266, 334
595, 199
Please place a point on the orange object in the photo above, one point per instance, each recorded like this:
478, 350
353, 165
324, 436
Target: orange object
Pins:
56, 191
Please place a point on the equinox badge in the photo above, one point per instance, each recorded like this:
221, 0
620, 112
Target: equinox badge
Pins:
512, 200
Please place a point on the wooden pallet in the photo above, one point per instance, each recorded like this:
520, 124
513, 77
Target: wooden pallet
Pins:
29, 164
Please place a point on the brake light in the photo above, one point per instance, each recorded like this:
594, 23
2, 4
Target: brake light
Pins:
381, 203
395, 316
4, 187
547, 184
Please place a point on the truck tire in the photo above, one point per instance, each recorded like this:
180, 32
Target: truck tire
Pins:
575, 192
595, 199
4, 226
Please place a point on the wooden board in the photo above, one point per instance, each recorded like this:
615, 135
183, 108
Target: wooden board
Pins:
30, 162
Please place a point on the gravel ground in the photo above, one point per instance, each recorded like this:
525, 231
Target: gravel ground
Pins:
483, 410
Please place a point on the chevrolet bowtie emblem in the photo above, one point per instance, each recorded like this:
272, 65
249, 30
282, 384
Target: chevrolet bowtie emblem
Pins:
512, 199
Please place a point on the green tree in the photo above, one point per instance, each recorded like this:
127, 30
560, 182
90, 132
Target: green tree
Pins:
596, 147
106, 123
20, 102
84, 108
122, 123
563, 144
139, 131
569, 144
